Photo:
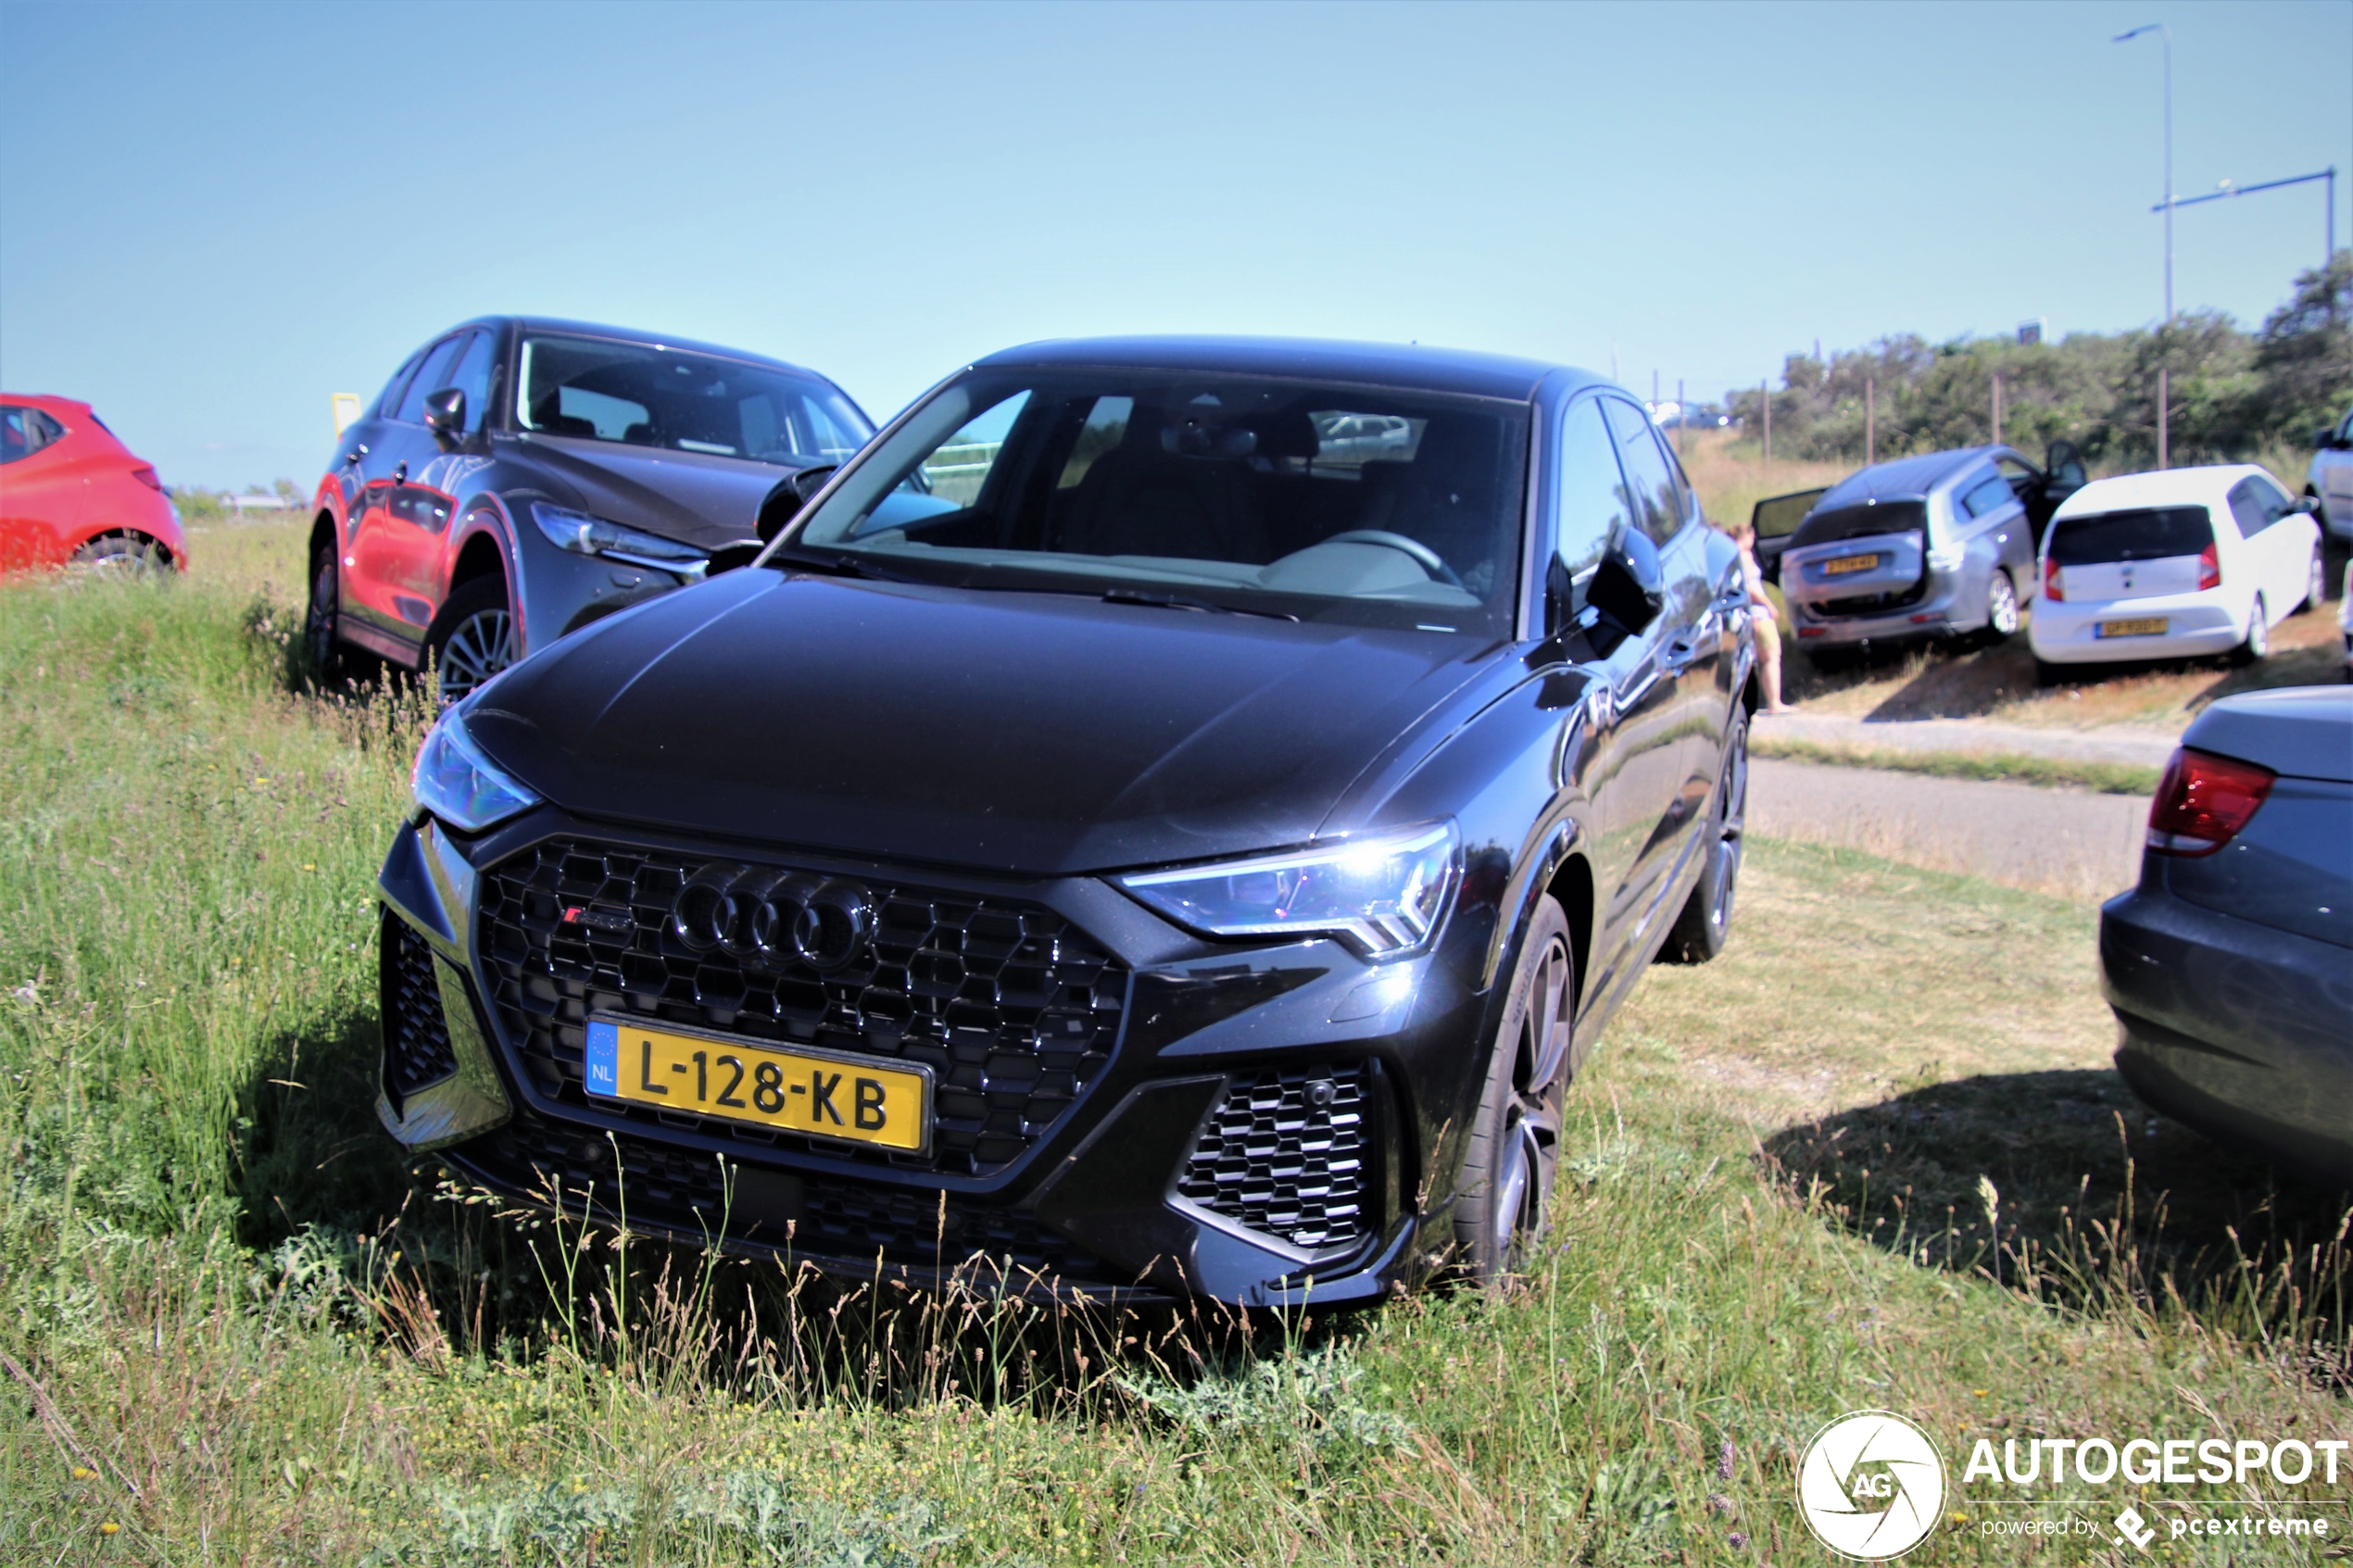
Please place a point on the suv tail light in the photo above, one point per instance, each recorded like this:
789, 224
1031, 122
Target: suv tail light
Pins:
147, 476
2051, 581
2203, 801
2210, 568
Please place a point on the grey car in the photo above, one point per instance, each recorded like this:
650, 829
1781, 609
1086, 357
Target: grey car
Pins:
2230, 967
1936, 545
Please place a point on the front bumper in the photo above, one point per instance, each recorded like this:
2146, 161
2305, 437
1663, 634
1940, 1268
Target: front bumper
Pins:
2239, 1030
1249, 1136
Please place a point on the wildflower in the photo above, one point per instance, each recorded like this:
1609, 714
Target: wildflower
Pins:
84, 1473
110, 1528
1724, 1457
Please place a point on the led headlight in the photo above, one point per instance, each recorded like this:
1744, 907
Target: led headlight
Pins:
586, 535
461, 786
1384, 895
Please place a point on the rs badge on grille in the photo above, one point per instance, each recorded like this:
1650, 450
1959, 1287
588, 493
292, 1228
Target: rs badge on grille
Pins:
598, 920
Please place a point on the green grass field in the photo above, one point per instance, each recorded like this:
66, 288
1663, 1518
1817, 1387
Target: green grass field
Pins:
1872, 1157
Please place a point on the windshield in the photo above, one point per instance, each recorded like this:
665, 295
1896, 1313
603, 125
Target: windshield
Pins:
1347, 502
2141, 533
642, 395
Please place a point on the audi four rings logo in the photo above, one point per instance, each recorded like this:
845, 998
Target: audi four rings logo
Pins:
768, 918
1871, 1486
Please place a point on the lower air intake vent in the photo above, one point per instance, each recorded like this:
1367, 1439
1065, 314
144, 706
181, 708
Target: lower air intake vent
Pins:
1284, 1153
416, 1035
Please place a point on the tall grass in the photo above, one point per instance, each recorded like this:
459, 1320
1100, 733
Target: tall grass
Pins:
238, 1328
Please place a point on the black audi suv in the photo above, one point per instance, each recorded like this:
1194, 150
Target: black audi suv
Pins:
1169, 816
517, 479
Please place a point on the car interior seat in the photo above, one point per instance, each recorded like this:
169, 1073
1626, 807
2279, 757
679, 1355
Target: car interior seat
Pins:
1169, 490
1444, 498
546, 414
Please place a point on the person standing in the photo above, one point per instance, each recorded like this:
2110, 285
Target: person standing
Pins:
1764, 619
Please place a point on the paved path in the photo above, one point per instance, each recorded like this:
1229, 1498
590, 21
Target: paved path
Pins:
2072, 843
2148, 747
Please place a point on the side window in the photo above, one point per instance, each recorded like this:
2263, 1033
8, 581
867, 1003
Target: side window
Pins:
2255, 506
960, 466
1592, 492
390, 398
471, 375
1657, 500
432, 377
24, 431
1987, 496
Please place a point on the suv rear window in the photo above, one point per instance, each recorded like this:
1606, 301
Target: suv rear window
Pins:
1861, 522
2140, 533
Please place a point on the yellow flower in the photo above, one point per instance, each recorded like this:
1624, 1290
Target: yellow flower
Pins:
84, 1473
1978, 1392
308, 867
110, 1528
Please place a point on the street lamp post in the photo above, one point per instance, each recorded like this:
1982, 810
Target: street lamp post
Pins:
2164, 35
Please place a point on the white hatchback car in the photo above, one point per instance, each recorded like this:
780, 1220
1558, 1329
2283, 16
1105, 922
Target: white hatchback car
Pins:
2173, 565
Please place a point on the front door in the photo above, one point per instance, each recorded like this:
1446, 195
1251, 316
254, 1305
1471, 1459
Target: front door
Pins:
394, 539
40, 500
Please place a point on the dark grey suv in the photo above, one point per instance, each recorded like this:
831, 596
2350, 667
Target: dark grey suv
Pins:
521, 477
1940, 545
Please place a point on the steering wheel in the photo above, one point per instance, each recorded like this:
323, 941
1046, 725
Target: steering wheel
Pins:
1429, 560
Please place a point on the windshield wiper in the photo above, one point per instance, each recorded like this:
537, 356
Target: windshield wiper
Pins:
1181, 601
840, 563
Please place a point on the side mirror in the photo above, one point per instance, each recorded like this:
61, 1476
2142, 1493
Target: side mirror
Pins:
784, 503
2306, 506
445, 413
2326, 438
2064, 466
1629, 589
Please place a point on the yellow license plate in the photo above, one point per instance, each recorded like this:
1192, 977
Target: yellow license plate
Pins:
1845, 564
816, 1093
2151, 627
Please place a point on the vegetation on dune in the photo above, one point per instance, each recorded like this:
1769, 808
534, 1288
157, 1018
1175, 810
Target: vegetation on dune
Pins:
236, 1328
2233, 394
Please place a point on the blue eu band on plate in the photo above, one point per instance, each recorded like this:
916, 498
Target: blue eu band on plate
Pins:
816, 1093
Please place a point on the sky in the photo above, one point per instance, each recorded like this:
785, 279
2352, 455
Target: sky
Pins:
215, 216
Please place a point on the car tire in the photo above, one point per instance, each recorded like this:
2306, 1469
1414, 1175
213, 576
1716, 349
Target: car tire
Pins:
124, 554
1505, 1186
2258, 646
2002, 620
473, 639
2047, 674
322, 620
1706, 922
2316, 585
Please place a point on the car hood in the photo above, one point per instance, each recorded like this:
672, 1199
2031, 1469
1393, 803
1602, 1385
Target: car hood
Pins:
690, 496
1042, 735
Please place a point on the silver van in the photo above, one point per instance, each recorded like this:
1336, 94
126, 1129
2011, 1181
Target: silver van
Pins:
1936, 545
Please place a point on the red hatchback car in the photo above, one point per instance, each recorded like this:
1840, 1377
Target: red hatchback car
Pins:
70, 492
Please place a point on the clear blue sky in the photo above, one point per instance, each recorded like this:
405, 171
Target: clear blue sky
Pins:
213, 217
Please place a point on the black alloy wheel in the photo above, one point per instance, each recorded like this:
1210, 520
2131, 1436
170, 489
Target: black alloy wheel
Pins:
473, 639
1706, 922
318, 642
1506, 1189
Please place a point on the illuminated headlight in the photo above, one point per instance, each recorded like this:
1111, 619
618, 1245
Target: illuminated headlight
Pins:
1383, 895
586, 535
461, 786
